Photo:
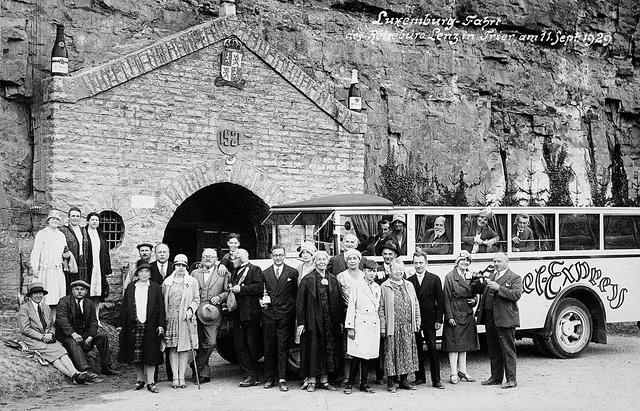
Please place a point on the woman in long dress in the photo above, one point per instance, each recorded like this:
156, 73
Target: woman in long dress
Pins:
49, 250
143, 322
98, 262
307, 251
181, 300
36, 326
399, 320
348, 280
362, 325
318, 313
459, 334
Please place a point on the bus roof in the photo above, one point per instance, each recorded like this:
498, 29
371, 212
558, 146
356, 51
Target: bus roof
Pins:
338, 201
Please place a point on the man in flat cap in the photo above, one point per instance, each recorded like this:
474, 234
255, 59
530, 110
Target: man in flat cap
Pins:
77, 329
144, 250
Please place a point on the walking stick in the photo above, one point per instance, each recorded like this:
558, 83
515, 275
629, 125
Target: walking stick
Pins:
193, 353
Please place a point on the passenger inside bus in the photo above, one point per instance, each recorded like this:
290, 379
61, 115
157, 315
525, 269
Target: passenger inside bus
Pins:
522, 239
373, 245
436, 240
478, 236
399, 233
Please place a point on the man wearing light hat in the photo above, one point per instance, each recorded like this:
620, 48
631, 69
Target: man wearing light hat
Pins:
399, 232
212, 278
77, 329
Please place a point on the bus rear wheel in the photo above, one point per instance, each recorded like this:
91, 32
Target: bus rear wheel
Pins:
571, 329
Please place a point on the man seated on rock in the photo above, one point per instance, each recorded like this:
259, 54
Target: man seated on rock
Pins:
77, 330
523, 239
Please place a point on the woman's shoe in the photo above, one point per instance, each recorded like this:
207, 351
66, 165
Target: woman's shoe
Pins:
327, 386
176, 384
311, 387
152, 387
305, 385
183, 384
366, 388
465, 376
454, 379
79, 378
139, 385
348, 388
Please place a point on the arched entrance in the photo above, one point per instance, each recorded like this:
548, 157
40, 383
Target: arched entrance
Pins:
205, 218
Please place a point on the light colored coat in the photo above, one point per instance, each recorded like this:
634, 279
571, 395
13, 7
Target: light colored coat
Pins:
362, 316
46, 263
215, 287
30, 325
387, 307
190, 299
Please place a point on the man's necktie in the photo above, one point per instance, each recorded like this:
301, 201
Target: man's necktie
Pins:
79, 304
163, 270
42, 320
277, 273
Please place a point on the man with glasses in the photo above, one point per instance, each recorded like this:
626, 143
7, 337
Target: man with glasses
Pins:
477, 236
278, 316
213, 278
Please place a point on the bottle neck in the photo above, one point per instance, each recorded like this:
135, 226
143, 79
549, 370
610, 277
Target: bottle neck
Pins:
354, 77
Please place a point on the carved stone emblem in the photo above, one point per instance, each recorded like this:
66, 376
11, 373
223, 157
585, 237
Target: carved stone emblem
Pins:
231, 65
229, 142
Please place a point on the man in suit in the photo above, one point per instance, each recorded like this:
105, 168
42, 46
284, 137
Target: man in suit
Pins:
161, 268
247, 287
337, 263
436, 241
373, 244
523, 239
77, 242
498, 311
431, 300
278, 316
77, 329
144, 251
233, 242
213, 278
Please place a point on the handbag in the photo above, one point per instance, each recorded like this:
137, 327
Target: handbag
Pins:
232, 303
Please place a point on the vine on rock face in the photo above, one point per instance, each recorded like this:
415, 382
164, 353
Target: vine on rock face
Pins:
559, 174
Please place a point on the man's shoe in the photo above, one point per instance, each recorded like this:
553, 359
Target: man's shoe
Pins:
109, 371
418, 381
204, 380
404, 385
91, 376
248, 382
491, 381
79, 378
366, 388
283, 386
438, 385
348, 388
509, 384
268, 384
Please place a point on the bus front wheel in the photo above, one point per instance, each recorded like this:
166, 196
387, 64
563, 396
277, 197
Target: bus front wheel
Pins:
571, 329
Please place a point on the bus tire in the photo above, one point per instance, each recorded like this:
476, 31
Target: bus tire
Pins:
570, 330
540, 343
293, 362
224, 346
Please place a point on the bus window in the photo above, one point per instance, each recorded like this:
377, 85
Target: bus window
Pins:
621, 232
478, 231
372, 229
532, 232
579, 232
434, 234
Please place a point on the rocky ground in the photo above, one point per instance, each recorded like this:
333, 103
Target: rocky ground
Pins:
604, 377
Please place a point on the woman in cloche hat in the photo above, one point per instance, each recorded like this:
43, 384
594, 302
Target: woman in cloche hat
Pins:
36, 325
143, 324
49, 249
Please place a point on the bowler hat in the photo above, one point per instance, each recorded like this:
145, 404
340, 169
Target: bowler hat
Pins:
144, 245
81, 283
208, 313
391, 245
36, 287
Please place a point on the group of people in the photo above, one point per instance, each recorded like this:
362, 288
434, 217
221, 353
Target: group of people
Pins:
348, 313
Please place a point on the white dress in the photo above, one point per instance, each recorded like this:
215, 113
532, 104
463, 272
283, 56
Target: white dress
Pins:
46, 263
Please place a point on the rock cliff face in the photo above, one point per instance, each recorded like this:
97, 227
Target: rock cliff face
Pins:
454, 85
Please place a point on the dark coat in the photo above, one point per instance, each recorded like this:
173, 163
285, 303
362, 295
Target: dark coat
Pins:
463, 336
309, 314
105, 261
505, 305
430, 298
156, 276
151, 354
75, 244
469, 233
527, 242
67, 313
282, 291
372, 246
251, 290
439, 245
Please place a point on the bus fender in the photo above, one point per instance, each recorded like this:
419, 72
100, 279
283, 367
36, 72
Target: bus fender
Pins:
593, 302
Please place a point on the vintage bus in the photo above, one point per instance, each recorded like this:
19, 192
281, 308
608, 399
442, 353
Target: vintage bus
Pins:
580, 266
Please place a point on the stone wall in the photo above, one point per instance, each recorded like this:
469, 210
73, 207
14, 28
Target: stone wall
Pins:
155, 134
